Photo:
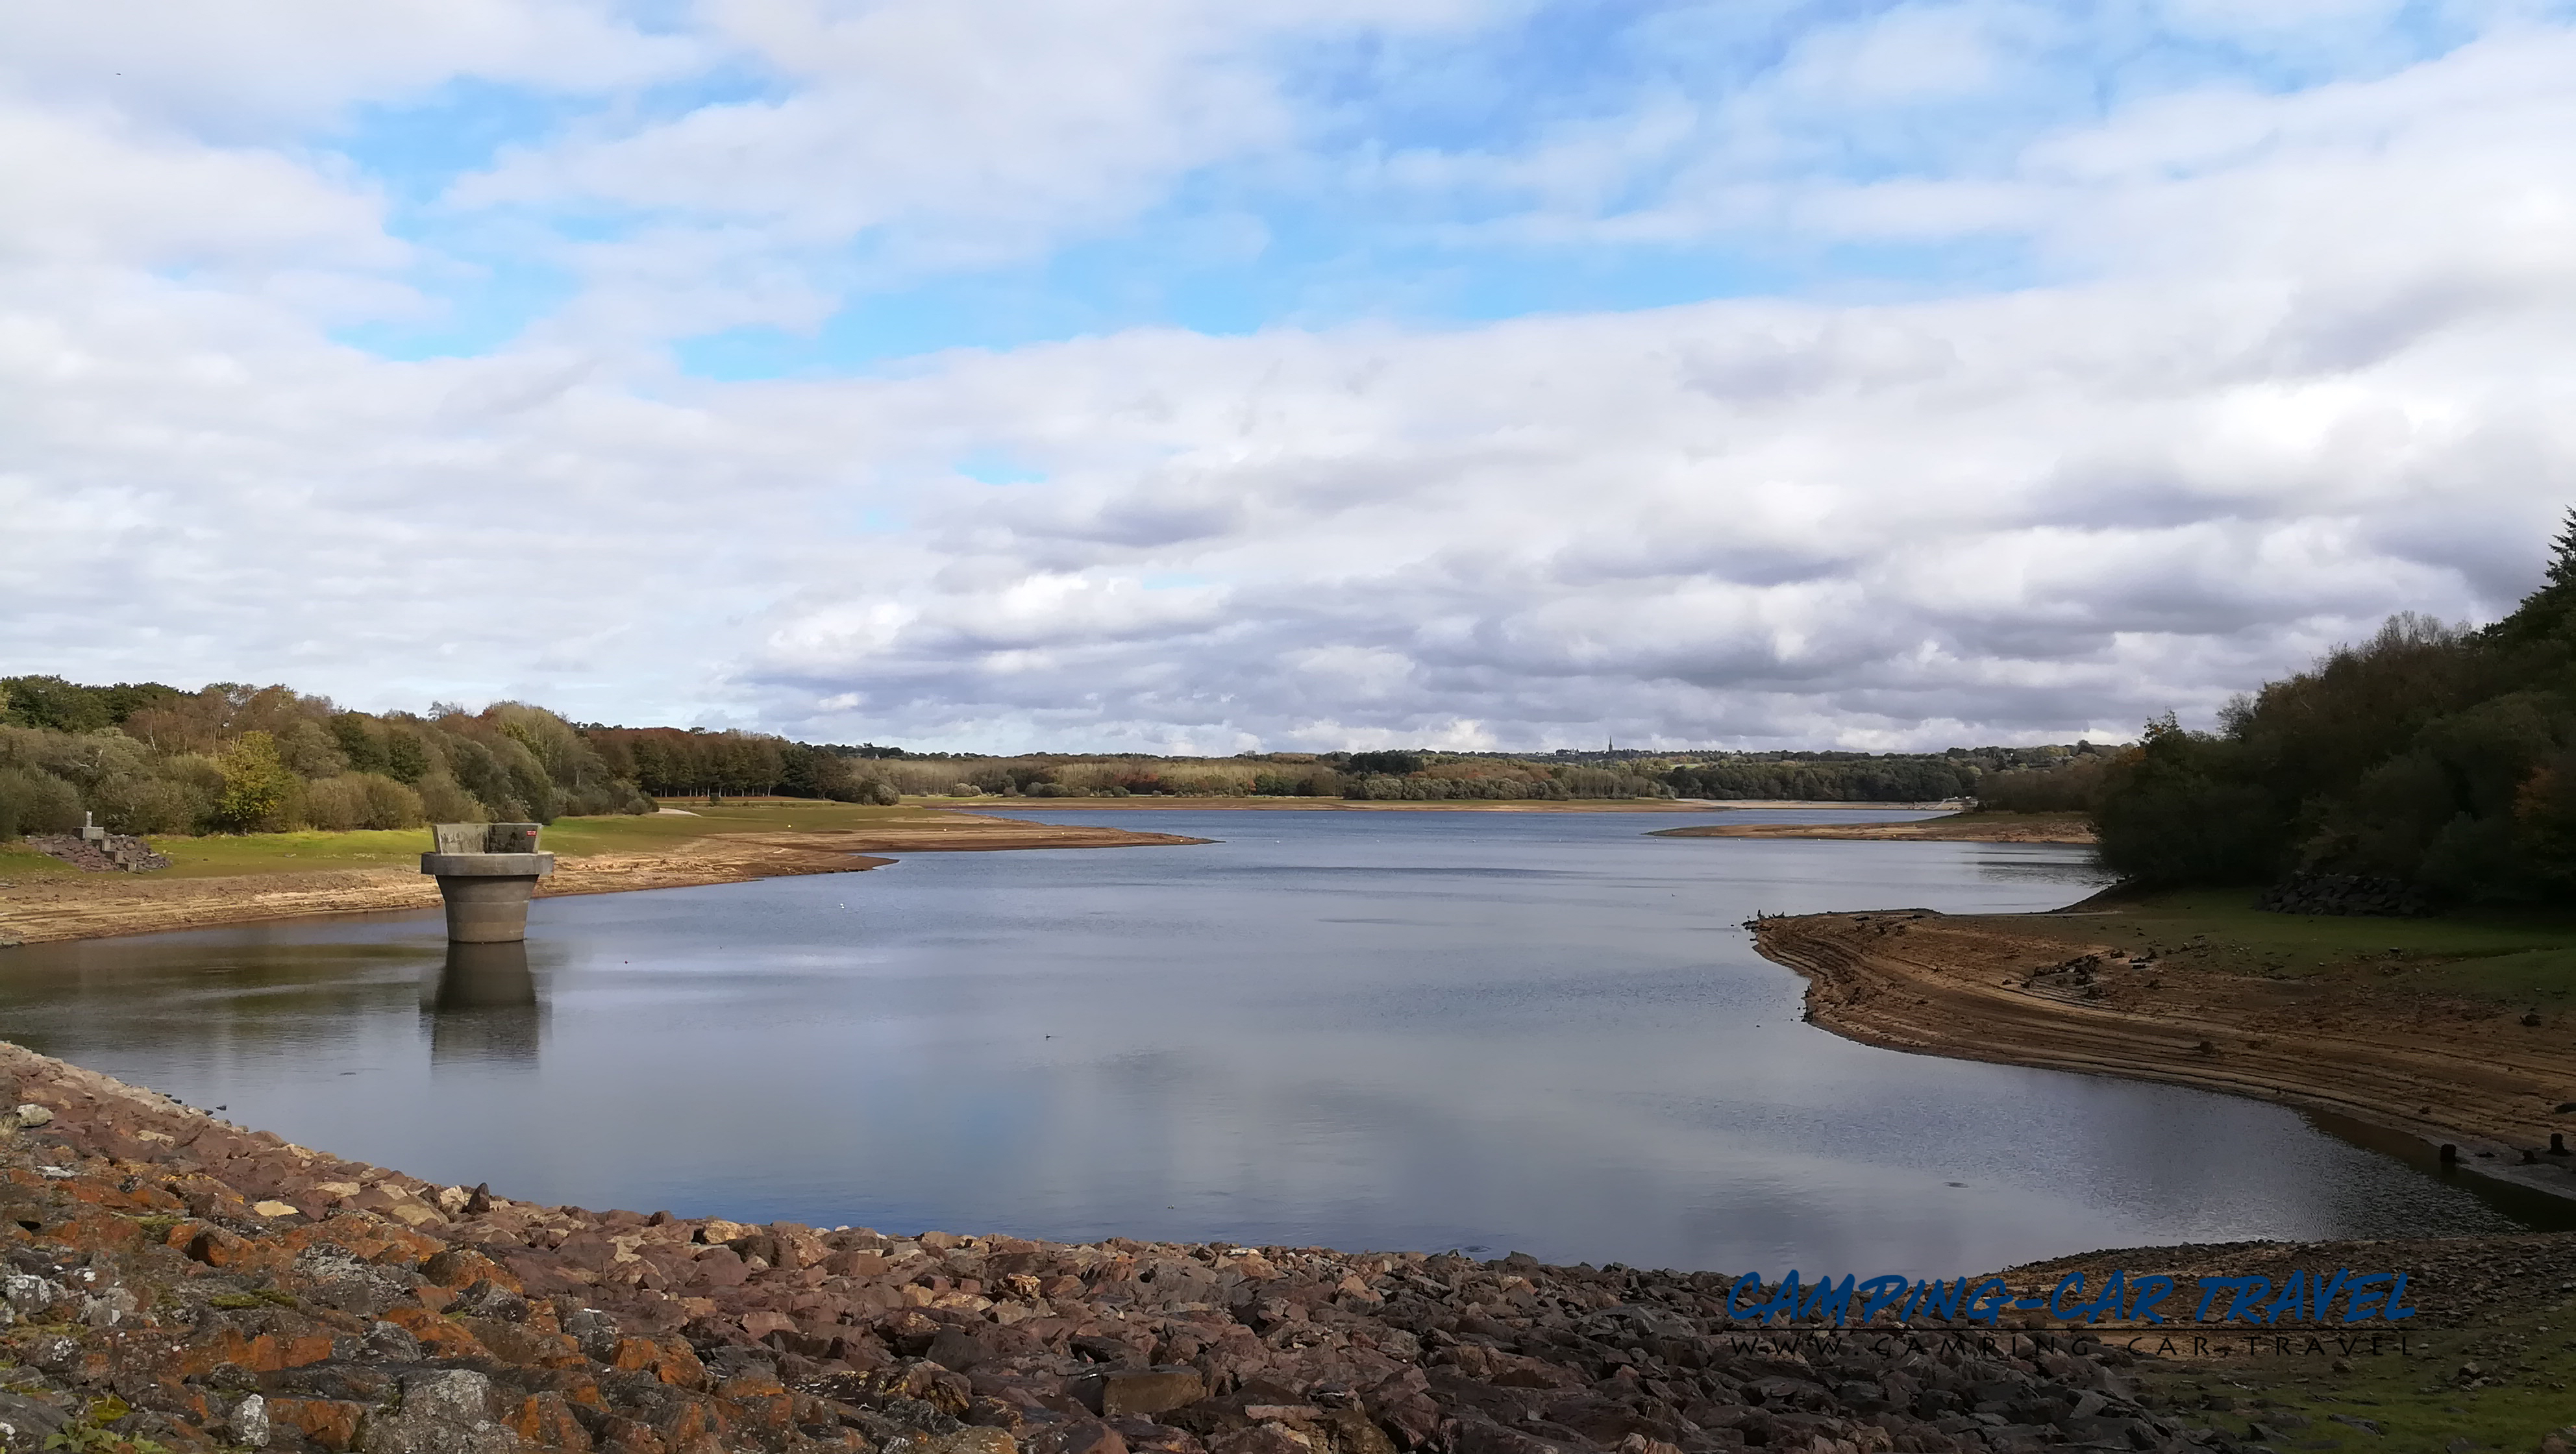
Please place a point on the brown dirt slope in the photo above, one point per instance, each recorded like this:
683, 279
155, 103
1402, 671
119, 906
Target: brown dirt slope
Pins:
1956, 828
40, 910
2445, 1069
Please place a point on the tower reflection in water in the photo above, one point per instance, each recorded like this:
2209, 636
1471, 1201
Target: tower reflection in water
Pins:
485, 1007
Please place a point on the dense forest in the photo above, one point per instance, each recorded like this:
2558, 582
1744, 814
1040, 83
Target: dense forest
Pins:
2432, 756
230, 758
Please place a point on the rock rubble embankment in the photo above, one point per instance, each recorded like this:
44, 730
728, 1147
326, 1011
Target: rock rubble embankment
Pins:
114, 853
174, 1280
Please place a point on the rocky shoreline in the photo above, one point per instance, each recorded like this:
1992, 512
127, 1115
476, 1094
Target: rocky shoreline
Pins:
176, 1282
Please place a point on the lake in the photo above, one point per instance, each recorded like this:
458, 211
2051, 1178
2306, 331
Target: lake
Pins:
1489, 1031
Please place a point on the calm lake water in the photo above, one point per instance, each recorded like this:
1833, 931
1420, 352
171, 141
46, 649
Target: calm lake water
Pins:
1389, 1030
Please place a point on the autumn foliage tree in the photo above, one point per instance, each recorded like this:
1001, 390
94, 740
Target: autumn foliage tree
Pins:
230, 757
256, 783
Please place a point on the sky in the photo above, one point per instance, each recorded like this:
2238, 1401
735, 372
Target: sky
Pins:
1155, 375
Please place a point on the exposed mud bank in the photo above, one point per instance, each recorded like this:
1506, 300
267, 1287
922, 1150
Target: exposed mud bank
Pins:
2467, 1073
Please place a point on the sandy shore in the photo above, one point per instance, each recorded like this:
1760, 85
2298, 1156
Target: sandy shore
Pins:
91, 906
1956, 828
2471, 1073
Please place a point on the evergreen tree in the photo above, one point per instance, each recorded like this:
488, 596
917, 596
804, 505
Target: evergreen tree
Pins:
2548, 615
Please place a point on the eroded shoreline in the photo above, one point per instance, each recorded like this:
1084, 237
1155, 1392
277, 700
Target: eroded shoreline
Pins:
2431, 1067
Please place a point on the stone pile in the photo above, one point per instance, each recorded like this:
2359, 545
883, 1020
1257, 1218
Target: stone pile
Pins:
172, 1280
2345, 893
112, 852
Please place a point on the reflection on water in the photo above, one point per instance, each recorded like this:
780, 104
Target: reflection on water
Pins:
484, 1005
2075, 868
1544, 1032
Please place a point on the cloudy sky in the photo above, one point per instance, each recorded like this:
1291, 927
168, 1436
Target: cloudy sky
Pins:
1225, 374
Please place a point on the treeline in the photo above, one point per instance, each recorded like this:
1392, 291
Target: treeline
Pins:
1388, 776
1889, 780
2071, 786
670, 762
1421, 774
149, 758
2435, 756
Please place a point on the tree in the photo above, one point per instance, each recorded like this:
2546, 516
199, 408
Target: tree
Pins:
2179, 810
256, 783
2547, 617
50, 702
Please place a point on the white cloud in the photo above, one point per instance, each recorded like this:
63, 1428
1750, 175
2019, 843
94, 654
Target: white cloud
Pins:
88, 189
940, 134
251, 67
2305, 363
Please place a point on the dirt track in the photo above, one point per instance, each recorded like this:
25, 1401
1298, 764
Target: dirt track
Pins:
97, 905
2446, 1070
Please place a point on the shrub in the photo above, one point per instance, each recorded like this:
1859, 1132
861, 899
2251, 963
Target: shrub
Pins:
335, 804
601, 798
389, 804
443, 801
146, 805
202, 779
31, 802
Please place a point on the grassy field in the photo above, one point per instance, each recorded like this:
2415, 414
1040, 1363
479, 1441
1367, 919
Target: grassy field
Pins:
17, 861
227, 856
2516, 955
2526, 1366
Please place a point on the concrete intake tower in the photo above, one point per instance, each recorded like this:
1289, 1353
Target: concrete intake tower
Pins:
486, 872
